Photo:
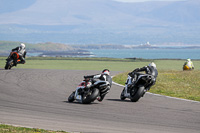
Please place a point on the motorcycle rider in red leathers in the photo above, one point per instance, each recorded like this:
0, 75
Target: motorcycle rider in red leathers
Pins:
105, 76
21, 50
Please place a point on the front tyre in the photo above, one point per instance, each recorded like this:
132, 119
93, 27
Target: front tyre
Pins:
137, 95
122, 97
71, 97
9, 64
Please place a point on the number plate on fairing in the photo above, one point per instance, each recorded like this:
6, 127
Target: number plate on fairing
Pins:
78, 97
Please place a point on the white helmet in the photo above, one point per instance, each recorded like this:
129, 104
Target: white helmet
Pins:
22, 45
188, 60
152, 64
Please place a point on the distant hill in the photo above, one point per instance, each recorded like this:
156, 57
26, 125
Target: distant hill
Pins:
46, 49
100, 21
63, 50
9, 45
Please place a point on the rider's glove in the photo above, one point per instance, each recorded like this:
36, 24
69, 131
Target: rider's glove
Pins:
130, 73
136, 70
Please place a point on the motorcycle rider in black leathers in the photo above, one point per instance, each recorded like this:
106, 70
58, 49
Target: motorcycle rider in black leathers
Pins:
21, 50
105, 76
150, 69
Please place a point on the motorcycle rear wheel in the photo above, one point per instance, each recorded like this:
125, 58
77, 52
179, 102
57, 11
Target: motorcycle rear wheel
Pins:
140, 92
92, 97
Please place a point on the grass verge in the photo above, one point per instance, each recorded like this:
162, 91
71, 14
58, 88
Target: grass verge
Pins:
12, 129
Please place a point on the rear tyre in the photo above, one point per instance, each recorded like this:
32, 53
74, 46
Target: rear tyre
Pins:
92, 97
71, 97
140, 92
122, 97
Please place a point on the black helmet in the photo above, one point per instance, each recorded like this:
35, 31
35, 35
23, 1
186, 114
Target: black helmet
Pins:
106, 71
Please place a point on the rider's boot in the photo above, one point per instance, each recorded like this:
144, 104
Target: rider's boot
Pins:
21, 62
99, 98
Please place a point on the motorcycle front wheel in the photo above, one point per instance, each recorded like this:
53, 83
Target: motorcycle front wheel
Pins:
122, 97
9, 64
71, 97
138, 94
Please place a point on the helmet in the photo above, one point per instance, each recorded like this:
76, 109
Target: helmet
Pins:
188, 60
152, 64
22, 45
106, 71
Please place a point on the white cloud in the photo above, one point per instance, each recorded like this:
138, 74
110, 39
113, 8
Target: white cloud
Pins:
145, 0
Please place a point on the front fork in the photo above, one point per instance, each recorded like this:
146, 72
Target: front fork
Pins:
77, 95
80, 95
126, 88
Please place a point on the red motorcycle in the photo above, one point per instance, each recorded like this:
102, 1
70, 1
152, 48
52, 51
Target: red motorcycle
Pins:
12, 60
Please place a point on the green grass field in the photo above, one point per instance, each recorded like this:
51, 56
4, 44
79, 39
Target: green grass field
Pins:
97, 63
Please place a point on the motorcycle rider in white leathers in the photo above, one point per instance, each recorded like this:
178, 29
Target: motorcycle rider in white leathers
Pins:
188, 65
150, 69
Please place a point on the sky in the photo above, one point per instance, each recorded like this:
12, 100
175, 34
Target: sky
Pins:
144, 0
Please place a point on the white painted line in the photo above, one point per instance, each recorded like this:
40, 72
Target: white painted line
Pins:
174, 97
162, 95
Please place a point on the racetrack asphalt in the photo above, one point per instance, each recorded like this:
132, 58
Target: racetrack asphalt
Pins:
38, 99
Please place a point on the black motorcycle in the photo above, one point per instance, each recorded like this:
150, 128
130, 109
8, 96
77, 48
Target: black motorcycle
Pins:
136, 88
87, 91
12, 60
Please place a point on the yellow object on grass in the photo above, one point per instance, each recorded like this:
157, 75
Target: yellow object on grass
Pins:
186, 67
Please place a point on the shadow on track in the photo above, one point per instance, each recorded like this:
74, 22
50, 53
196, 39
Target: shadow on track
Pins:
1, 69
75, 102
118, 100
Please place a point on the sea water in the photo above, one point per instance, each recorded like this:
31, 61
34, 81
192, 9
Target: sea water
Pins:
148, 53
142, 53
